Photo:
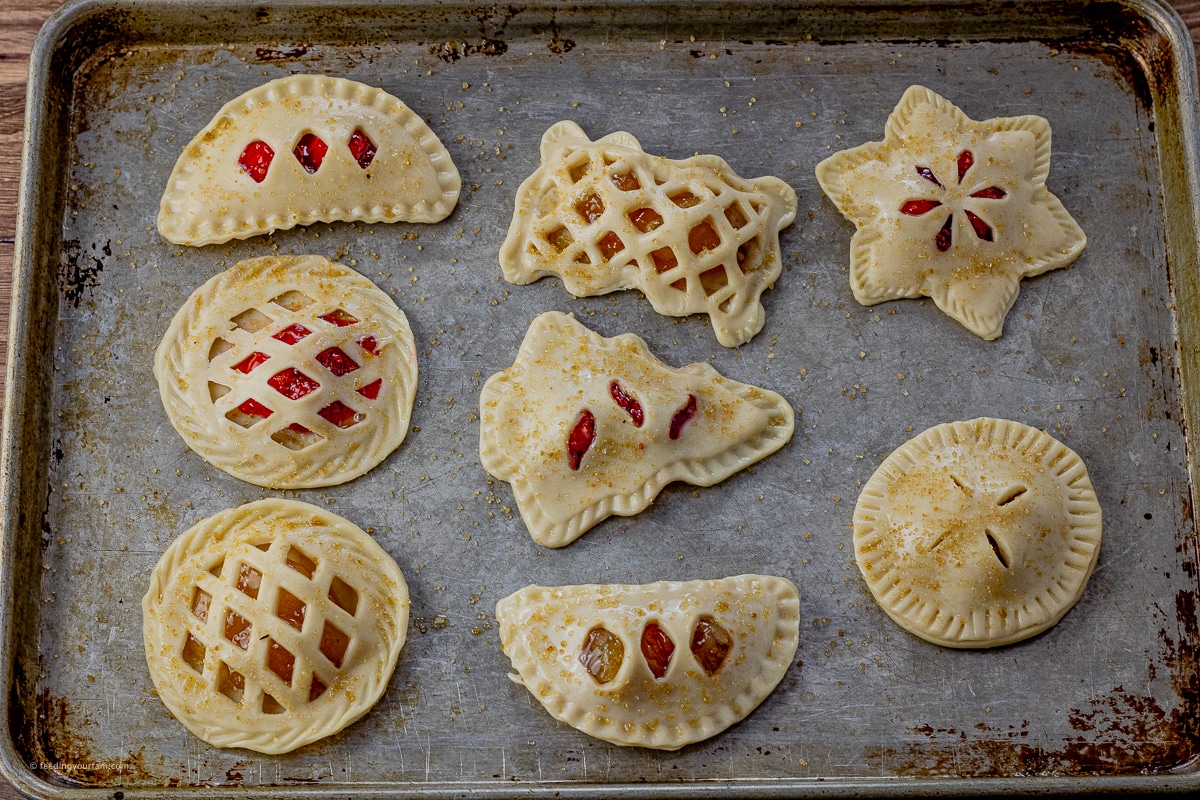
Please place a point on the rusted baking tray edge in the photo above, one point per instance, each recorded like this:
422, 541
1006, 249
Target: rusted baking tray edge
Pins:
1170, 72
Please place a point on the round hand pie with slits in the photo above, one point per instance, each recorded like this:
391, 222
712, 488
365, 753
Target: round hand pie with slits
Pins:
289, 372
978, 534
272, 625
304, 149
661, 665
692, 235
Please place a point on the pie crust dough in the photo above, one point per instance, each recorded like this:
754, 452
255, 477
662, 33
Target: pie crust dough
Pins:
209, 199
337, 395
952, 209
218, 637
543, 629
979, 533
530, 411
601, 215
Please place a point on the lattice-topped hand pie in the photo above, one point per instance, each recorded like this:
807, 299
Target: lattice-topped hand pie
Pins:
272, 625
661, 665
289, 372
585, 427
978, 534
304, 149
691, 235
952, 209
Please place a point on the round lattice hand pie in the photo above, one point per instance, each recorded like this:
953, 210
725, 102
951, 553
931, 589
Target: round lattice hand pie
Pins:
978, 534
289, 372
661, 665
692, 235
304, 149
272, 625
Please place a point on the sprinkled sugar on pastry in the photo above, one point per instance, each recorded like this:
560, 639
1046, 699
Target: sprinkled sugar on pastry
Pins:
979, 533
289, 372
952, 209
692, 235
585, 427
661, 665
305, 149
272, 625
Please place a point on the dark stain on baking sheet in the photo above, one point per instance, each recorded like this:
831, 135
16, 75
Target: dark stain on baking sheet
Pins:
79, 272
55, 737
453, 51
281, 53
1119, 733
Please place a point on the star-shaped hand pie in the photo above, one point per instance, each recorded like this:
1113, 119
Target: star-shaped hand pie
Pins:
951, 209
586, 427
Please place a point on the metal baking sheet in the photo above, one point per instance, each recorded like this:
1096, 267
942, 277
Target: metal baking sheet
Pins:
1101, 355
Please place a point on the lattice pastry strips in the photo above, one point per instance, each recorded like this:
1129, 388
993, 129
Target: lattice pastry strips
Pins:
289, 372
304, 149
661, 665
979, 533
691, 234
951, 209
272, 625
585, 427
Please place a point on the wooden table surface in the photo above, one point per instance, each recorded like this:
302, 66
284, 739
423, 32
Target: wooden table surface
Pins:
19, 24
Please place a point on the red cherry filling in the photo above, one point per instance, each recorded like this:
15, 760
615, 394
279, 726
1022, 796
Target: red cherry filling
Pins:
339, 318
255, 160
927, 174
371, 390
250, 362
982, 229
369, 344
917, 208
339, 414
966, 160
310, 152
657, 648
627, 403
362, 148
253, 408
944, 237
991, 193
581, 438
336, 361
292, 334
683, 416
292, 383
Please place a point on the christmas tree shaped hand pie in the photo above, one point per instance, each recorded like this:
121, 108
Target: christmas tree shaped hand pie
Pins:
692, 235
585, 427
951, 209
